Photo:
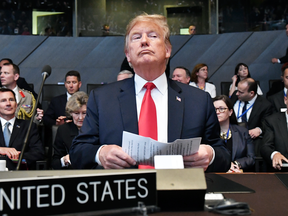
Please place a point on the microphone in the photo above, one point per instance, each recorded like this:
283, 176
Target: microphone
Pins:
46, 71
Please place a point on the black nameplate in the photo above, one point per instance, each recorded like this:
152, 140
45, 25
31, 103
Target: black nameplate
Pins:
76, 194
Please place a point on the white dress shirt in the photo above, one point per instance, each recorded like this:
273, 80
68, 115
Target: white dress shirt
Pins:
236, 107
10, 127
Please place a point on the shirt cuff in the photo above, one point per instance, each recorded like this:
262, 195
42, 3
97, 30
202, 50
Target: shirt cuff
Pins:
213, 157
260, 130
279, 61
63, 163
273, 153
97, 160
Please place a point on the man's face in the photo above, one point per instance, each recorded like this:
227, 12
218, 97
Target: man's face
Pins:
146, 47
8, 78
285, 78
8, 105
242, 93
122, 77
179, 75
72, 84
192, 30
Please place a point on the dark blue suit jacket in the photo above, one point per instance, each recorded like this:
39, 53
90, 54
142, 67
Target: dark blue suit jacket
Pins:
243, 148
111, 109
56, 108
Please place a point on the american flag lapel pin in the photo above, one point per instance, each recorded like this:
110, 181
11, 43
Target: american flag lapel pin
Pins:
178, 98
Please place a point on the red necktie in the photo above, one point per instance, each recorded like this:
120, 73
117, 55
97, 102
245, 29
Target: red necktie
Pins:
148, 118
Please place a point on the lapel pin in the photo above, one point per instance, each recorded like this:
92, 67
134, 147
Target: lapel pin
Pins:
17, 126
178, 98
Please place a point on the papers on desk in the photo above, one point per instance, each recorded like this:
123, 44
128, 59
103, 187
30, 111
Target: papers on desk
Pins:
143, 149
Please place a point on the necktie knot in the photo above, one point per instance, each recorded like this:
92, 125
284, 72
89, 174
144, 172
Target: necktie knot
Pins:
149, 86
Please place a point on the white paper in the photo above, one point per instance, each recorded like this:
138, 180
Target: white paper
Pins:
143, 149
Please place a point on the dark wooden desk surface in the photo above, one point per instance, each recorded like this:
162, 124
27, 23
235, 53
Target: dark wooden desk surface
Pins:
270, 197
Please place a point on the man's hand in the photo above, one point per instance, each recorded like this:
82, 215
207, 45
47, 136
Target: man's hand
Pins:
274, 60
39, 114
234, 169
200, 159
60, 120
66, 160
254, 133
277, 160
12, 153
234, 78
113, 157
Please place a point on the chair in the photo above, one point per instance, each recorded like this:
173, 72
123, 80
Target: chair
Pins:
90, 87
275, 85
225, 88
49, 91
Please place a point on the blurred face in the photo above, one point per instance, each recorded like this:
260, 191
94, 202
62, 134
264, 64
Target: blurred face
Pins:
285, 78
243, 72
192, 30
122, 77
202, 73
79, 115
8, 105
72, 84
146, 48
242, 93
8, 78
222, 111
179, 75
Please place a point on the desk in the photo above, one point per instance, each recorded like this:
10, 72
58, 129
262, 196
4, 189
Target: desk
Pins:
270, 197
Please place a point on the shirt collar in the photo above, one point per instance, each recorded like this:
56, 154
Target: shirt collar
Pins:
3, 121
68, 96
160, 83
252, 101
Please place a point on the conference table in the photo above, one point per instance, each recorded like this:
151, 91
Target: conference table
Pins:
270, 196
265, 193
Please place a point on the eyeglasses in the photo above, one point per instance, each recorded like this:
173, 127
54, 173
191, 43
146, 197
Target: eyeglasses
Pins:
221, 109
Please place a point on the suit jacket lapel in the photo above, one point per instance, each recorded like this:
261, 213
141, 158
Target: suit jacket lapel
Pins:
2, 141
15, 132
235, 141
127, 103
255, 108
175, 111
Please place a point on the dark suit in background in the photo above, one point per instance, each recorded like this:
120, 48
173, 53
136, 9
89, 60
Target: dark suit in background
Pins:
56, 108
111, 110
275, 137
277, 100
34, 149
260, 110
64, 137
242, 147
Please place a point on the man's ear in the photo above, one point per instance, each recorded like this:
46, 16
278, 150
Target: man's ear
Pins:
80, 84
16, 76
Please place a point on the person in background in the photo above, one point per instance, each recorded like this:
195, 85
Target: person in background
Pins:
181, 74
283, 59
192, 30
199, 79
237, 138
124, 75
75, 108
241, 72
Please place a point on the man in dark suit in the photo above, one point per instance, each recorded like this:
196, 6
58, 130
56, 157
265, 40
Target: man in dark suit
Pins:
16, 129
21, 82
275, 140
283, 59
251, 109
277, 99
55, 114
182, 111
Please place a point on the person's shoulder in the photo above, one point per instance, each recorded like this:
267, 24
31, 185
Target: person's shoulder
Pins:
187, 89
275, 116
26, 93
210, 84
115, 86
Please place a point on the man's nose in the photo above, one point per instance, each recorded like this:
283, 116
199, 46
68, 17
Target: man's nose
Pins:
144, 40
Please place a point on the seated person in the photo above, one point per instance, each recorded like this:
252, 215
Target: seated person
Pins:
14, 131
274, 149
26, 102
181, 74
75, 108
277, 99
124, 75
21, 82
199, 79
237, 138
55, 114
241, 72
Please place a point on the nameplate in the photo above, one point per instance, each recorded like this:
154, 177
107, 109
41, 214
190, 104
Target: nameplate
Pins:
75, 193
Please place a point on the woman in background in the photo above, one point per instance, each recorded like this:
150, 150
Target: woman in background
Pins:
241, 72
75, 108
237, 138
199, 79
